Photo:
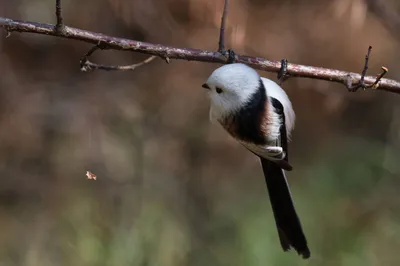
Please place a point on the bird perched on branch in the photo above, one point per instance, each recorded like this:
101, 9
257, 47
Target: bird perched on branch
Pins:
258, 114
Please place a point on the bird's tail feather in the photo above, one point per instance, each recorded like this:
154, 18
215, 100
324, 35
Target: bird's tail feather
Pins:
288, 224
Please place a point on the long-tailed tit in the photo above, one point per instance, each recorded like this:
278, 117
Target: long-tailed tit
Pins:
258, 114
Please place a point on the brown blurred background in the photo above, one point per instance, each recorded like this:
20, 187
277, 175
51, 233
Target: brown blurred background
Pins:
172, 189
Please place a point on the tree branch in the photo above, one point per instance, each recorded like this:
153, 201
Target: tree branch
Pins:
165, 52
58, 13
221, 47
361, 83
60, 25
86, 65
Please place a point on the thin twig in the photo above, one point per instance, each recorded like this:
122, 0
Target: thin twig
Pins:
361, 83
364, 72
58, 13
294, 70
375, 85
221, 47
60, 24
86, 65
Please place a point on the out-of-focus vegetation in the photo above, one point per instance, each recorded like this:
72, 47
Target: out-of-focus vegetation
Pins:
172, 189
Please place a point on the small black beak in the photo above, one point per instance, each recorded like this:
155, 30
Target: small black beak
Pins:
205, 86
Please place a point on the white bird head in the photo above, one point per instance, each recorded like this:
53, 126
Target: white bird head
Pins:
230, 87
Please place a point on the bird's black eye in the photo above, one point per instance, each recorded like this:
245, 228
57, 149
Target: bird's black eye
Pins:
218, 90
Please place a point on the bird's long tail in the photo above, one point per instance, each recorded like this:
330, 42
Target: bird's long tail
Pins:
288, 223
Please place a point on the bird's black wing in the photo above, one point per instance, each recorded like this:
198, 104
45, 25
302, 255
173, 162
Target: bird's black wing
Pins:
283, 140
287, 222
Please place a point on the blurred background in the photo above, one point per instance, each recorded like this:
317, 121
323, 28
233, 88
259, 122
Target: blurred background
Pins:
173, 189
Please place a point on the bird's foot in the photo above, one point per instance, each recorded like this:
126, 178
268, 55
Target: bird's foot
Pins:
282, 74
231, 56
275, 152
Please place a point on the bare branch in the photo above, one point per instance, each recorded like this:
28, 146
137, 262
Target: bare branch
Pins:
89, 66
164, 52
60, 25
361, 83
58, 13
221, 47
365, 69
379, 77
86, 65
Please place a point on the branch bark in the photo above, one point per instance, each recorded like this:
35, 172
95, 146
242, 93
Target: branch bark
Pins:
168, 52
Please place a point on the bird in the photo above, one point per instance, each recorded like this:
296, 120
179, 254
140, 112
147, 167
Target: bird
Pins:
258, 113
